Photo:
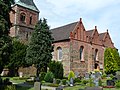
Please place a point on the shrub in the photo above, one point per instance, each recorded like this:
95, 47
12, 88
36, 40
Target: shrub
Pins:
56, 68
10, 87
71, 75
64, 81
104, 76
77, 80
58, 81
117, 84
49, 77
100, 82
42, 75
84, 81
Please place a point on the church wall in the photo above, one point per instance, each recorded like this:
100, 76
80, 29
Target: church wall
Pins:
65, 45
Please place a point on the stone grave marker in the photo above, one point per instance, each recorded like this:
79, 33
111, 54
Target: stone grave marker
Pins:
37, 86
76, 74
71, 82
87, 75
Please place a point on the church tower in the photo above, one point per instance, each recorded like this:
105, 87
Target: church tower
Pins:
23, 19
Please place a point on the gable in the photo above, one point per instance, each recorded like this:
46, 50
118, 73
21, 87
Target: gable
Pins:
79, 31
107, 41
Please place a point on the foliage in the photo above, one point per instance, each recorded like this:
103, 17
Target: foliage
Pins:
56, 68
91, 84
17, 56
64, 81
77, 80
111, 59
100, 82
5, 40
71, 75
49, 77
103, 76
85, 81
58, 81
117, 84
42, 75
10, 87
40, 47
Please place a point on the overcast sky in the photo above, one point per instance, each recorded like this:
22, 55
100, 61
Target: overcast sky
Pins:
105, 14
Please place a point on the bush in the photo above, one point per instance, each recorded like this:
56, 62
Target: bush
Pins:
77, 80
10, 87
49, 77
84, 81
117, 84
56, 68
104, 76
42, 75
64, 81
58, 81
71, 75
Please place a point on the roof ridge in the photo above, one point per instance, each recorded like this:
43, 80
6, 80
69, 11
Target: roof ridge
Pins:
64, 25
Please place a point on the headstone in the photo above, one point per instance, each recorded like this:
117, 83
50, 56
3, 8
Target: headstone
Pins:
60, 88
110, 83
87, 76
20, 74
118, 75
96, 81
76, 74
37, 86
54, 80
71, 81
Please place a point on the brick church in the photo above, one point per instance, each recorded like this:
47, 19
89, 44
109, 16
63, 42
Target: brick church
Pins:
79, 50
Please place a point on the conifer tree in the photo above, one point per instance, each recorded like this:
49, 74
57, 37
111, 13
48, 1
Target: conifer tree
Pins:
40, 47
5, 41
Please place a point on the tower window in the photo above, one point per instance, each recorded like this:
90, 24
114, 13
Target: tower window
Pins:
30, 19
22, 17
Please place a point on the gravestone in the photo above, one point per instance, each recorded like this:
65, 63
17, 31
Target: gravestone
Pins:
20, 74
37, 86
110, 83
60, 88
76, 74
71, 82
87, 76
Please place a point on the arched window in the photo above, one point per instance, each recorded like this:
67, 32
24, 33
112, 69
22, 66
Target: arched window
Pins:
22, 17
96, 55
59, 53
81, 53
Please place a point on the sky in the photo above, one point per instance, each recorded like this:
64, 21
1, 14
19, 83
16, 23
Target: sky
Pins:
105, 14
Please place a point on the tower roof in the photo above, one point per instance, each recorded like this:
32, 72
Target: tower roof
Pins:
27, 4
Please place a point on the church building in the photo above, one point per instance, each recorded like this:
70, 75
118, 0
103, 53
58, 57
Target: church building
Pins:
80, 50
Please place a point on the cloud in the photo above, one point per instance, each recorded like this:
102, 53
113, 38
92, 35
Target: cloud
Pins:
101, 13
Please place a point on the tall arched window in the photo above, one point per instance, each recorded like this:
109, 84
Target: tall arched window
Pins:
22, 17
96, 55
59, 53
82, 53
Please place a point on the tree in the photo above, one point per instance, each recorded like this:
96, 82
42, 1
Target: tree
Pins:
111, 59
40, 47
5, 40
57, 69
17, 57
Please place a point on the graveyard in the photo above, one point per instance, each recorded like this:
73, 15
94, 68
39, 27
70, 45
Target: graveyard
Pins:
91, 81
